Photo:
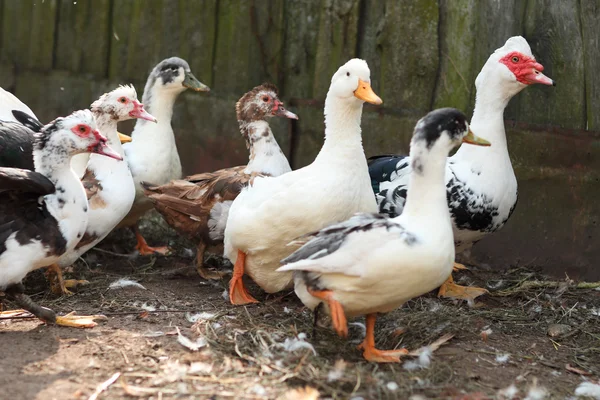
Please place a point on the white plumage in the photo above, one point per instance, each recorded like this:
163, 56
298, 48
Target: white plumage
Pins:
274, 211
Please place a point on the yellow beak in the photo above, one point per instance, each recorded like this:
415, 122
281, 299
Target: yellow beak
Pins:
365, 93
471, 138
124, 138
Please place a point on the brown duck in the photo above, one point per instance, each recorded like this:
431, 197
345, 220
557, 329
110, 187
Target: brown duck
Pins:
198, 205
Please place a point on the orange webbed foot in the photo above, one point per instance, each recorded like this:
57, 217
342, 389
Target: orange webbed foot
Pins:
238, 295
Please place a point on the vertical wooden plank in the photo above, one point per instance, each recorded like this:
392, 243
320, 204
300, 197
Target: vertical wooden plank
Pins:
590, 20
268, 28
14, 34
336, 41
300, 47
409, 54
554, 32
248, 44
120, 28
83, 36
136, 42
196, 22
28, 33
370, 28
457, 73
41, 31
496, 22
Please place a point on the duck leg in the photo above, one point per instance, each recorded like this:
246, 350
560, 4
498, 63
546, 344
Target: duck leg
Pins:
16, 294
58, 285
370, 353
451, 290
238, 295
338, 316
143, 248
202, 271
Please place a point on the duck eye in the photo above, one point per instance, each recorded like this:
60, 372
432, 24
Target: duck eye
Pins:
515, 59
265, 99
347, 73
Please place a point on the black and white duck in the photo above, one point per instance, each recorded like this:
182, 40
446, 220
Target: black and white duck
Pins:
43, 213
373, 264
480, 181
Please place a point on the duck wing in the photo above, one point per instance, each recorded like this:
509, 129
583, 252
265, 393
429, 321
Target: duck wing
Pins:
29, 121
330, 241
16, 145
389, 179
21, 210
25, 182
188, 204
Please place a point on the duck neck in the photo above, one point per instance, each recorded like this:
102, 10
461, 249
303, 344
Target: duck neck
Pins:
159, 102
343, 139
488, 120
56, 166
426, 197
266, 156
107, 125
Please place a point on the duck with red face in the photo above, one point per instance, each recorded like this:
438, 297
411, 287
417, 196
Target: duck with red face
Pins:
526, 69
480, 181
44, 213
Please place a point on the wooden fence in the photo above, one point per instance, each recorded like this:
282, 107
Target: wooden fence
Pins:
59, 55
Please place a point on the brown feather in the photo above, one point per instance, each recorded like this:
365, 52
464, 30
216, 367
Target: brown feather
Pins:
93, 190
186, 203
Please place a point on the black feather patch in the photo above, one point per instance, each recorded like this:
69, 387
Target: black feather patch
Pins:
330, 239
22, 212
16, 145
431, 126
32, 123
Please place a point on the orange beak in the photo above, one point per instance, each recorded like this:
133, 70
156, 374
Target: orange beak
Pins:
365, 93
124, 138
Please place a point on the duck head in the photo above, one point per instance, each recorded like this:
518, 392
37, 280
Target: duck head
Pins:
352, 84
440, 131
514, 66
260, 103
120, 104
174, 74
74, 134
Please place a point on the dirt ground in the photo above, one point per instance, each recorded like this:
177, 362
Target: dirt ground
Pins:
501, 347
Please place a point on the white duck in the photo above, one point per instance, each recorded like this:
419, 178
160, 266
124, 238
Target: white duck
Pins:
108, 182
265, 217
371, 264
43, 214
481, 184
152, 155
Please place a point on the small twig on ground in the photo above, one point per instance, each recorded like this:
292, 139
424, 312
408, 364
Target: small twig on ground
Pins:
112, 253
526, 285
103, 386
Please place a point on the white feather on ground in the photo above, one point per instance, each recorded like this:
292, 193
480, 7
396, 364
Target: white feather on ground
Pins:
125, 283
293, 344
588, 389
193, 345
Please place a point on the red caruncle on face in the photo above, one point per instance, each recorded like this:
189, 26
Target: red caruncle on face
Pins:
525, 68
